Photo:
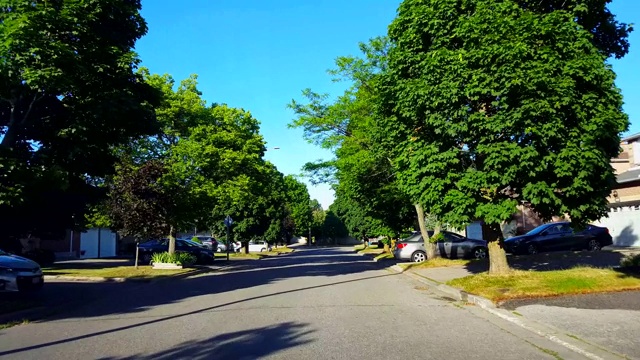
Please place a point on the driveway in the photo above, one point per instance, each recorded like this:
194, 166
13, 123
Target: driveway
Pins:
325, 303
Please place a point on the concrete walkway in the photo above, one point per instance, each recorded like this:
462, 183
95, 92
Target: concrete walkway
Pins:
609, 320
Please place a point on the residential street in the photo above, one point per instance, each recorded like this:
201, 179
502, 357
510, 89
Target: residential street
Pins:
323, 303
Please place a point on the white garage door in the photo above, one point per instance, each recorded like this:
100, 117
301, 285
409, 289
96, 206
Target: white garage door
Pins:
89, 244
624, 225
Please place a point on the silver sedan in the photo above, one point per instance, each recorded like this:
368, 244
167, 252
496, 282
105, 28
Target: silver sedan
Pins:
452, 246
18, 273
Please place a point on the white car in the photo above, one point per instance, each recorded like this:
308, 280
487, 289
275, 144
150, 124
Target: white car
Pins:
19, 274
259, 246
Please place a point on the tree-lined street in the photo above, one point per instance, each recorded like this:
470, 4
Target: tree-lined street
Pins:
319, 303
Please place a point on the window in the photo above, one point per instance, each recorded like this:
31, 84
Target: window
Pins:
451, 237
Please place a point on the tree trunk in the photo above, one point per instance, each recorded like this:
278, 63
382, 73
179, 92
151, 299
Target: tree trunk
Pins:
428, 245
172, 240
497, 256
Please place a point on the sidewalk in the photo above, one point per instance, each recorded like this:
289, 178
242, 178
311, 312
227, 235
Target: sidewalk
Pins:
609, 320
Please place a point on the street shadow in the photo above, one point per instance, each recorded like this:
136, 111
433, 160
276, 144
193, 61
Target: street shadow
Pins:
247, 344
70, 299
155, 293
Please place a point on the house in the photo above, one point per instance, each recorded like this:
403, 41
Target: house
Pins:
623, 220
92, 243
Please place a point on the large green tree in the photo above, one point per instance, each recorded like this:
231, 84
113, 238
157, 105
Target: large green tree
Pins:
490, 102
69, 94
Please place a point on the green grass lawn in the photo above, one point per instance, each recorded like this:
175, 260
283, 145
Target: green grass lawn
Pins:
533, 284
142, 272
281, 249
384, 256
250, 256
361, 247
433, 263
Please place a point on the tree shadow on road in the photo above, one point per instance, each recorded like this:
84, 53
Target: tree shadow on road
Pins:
86, 299
157, 298
246, 344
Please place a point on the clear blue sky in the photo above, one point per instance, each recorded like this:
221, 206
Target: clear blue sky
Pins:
259, 54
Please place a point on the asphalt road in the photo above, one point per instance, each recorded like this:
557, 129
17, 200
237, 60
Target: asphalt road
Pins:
314, 304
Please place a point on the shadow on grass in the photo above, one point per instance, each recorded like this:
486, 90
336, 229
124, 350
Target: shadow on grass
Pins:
551, 261
248, 344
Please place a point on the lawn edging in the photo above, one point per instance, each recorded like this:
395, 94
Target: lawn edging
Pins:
197, 271
582, 347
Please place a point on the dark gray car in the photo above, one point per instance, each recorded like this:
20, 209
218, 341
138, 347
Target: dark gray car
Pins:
452, 246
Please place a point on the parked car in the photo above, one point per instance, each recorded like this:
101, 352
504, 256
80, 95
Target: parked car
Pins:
451, 246
259, 246
19, 274
557, 237
203, 254
209, 241
222, 247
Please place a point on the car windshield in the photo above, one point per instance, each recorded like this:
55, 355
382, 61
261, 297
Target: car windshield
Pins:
538, 230
190, 243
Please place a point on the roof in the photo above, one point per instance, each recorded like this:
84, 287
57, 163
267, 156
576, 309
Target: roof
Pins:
628, 176
631, 137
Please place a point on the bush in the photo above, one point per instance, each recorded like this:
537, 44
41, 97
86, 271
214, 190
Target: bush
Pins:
630, 261
195, 239
184, 259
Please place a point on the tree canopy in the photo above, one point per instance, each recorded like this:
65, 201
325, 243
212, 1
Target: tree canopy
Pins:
487, 103
69, 94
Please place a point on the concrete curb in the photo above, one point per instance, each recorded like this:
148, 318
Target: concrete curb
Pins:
588, 350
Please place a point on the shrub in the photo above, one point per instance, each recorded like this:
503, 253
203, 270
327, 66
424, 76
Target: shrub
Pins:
184, 259
630, 261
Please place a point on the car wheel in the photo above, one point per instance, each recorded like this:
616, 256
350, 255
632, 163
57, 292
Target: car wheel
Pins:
418, 256
594, 245
532, 249
479, 253
146, 259
263, 249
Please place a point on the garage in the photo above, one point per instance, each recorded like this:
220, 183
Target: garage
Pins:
623, 223
97, 243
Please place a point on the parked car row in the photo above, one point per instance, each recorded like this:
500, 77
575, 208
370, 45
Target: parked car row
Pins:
203, 254
204, 251
556, 236
451, 245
